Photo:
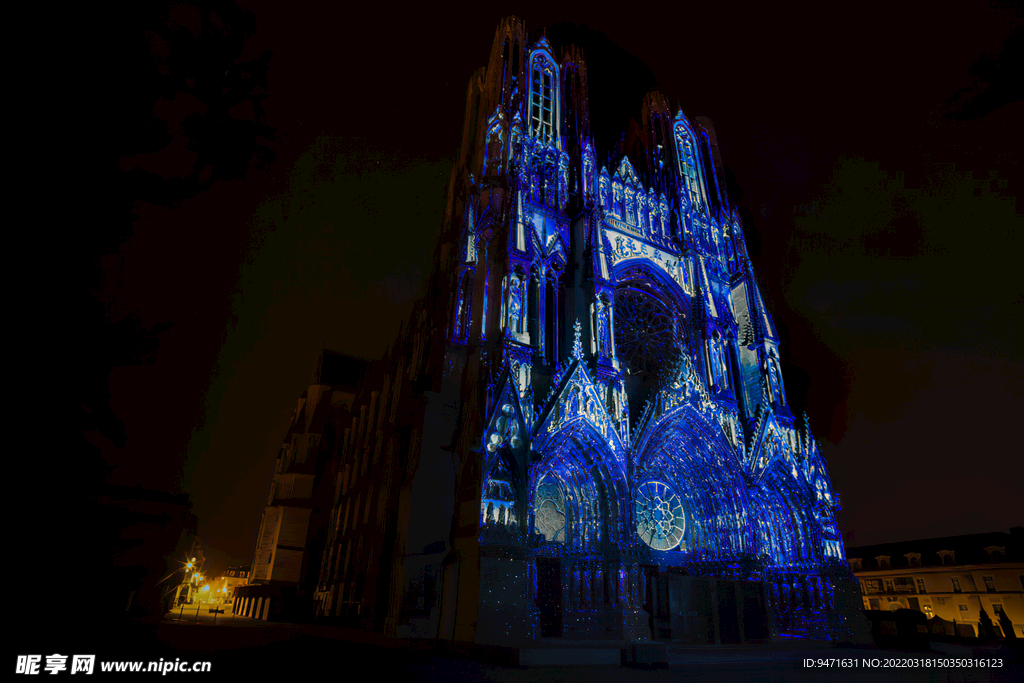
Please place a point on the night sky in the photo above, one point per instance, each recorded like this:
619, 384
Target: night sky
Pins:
278, 181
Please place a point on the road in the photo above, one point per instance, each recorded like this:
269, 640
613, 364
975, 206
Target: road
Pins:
245, 646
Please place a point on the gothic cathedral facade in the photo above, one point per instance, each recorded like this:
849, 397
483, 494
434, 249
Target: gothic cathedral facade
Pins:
607, 393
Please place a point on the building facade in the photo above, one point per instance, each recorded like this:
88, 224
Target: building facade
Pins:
222, 588
584, 430
955, 580
289, 547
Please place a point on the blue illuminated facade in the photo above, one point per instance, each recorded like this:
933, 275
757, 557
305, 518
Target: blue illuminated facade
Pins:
609, 395
630, 424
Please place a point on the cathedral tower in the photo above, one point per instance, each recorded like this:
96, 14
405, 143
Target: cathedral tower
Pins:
600, 380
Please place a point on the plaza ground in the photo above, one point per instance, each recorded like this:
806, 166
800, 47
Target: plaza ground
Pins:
240, 646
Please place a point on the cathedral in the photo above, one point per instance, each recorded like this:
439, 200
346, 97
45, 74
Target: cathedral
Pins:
583, 431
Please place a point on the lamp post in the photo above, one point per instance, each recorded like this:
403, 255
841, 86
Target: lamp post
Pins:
186, 583
199, 601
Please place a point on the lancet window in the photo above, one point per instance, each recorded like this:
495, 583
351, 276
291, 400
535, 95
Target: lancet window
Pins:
688, 167
542, 99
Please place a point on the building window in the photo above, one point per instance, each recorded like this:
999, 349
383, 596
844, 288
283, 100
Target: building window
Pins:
990, 584
913, 559
883, 562
688, 168
956, 586
948, 557
875, 604
997, 609
963, 608
855, 564
996, 553
542, 99
889, 587
904, 584
920, 586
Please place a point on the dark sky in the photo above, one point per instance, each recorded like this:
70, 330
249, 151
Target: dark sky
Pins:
280, 181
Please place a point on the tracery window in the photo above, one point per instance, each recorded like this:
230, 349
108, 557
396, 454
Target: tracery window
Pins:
688, 167
661, 521
645, 332
542, 101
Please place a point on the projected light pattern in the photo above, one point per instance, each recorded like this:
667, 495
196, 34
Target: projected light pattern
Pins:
659, 513
549, 511
621, 403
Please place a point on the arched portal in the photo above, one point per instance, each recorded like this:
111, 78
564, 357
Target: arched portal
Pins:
579, 517
579, 467
786, 536
688, 452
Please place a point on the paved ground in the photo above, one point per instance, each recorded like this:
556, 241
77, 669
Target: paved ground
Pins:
238, 646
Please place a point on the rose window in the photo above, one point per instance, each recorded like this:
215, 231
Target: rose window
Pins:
645, 333
661, 522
